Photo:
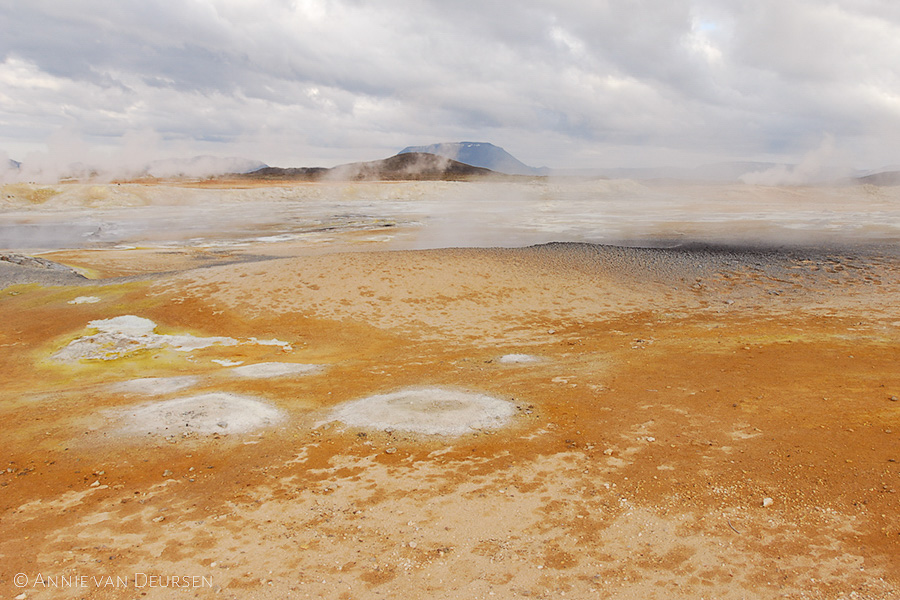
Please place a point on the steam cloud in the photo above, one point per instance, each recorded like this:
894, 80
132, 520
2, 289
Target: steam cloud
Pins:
69, 157
816, 167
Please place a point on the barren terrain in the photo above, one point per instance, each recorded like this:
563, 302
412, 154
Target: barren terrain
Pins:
692, 422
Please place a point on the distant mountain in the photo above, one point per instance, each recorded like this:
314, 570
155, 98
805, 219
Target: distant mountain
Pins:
14, 165
289, 174
883, 178
479, 154
401, 167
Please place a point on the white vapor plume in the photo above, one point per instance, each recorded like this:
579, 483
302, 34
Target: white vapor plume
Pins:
136, 154
818, 166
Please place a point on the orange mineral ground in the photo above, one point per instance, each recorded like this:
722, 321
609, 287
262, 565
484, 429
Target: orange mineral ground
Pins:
559, 420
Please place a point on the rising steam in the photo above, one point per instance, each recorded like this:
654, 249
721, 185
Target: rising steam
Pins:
817, 167
68, 157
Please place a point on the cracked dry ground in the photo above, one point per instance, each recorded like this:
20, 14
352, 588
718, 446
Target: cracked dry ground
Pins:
670, 401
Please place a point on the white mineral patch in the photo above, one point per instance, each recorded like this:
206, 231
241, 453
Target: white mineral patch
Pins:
227, 363
187, 343
125, 325
85, 300
519, 358
426, 410
121, 336
286, 346
155, 386
269, 370
216, 412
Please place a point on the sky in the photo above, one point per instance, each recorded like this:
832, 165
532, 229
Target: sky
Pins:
564, 83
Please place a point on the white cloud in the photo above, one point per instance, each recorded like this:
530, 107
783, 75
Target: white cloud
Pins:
559, 83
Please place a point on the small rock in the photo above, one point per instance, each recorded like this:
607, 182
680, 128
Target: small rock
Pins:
767, 502
159, 519
412, 545
21, 596
222, 424
96, 483
167, 473
893, 398
390, 450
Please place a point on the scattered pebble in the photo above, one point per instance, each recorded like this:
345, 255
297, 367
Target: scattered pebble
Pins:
167, 473
390, 450
767, 502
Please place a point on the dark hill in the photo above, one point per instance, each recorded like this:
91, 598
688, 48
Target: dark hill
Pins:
401, 167
884, 178
277, 173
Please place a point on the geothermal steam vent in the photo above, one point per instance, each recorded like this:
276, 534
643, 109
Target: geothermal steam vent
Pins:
427, 410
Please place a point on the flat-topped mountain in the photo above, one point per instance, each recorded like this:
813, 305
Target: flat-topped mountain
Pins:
479, 154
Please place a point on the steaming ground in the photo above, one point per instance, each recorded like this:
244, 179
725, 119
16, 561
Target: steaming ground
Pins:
337, 413
216, 224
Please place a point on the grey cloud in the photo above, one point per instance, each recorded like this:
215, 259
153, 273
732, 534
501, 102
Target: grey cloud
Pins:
331, 80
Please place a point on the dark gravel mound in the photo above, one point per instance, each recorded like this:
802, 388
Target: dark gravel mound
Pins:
20, 269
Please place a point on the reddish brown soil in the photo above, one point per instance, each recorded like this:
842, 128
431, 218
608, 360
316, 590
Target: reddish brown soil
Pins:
663, 414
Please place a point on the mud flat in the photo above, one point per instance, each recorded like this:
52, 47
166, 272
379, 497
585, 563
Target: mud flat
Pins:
617, 422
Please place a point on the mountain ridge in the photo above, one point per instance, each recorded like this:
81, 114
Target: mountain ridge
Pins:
413, 166
478, 154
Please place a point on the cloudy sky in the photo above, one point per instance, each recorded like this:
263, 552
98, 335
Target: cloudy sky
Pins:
564, 83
